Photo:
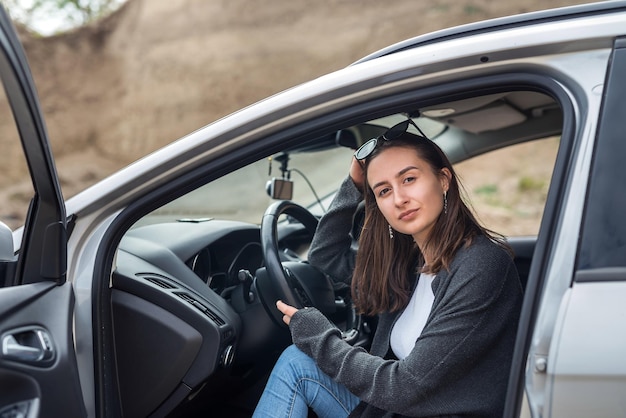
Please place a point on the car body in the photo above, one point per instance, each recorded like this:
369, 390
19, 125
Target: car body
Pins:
133, 298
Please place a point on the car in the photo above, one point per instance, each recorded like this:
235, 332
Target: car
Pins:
151, 292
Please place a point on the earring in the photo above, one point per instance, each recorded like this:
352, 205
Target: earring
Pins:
390, 232
445, 202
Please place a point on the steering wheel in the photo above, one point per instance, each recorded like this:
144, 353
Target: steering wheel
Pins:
296, 283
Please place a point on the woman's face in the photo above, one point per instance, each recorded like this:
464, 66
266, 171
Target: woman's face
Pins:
408, 193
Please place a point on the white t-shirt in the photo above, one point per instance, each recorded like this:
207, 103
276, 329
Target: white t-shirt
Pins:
411, 322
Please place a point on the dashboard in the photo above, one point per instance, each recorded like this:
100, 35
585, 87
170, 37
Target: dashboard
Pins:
180, 307
215, 251
218, 266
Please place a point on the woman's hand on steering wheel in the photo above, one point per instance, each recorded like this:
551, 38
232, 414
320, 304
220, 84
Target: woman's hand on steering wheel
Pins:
287, 310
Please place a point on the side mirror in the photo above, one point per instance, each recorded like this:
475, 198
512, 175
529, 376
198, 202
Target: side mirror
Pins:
7, 255
6, 243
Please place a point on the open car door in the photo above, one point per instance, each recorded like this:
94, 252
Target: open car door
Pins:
38, 371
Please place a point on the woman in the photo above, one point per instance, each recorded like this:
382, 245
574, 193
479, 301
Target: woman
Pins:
445, 290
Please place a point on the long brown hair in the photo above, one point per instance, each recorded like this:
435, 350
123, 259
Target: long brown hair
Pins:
385, 267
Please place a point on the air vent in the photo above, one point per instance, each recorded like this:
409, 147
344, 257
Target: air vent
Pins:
157, 280
186, 297
189, 299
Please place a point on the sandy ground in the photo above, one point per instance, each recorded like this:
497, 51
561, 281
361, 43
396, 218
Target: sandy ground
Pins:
156, 70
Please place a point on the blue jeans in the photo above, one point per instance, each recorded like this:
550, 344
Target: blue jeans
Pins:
296, 383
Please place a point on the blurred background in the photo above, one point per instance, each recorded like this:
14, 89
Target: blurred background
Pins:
118, 79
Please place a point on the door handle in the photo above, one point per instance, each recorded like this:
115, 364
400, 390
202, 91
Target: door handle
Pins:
28, 345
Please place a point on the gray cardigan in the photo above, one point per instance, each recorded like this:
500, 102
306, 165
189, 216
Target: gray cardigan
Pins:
460, 363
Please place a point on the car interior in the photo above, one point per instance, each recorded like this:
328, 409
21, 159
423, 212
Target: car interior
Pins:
194, 281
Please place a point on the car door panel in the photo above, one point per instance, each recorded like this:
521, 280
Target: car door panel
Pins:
589, 374
37, 351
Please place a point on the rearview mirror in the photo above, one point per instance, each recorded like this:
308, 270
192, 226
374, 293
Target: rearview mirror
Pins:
281, 189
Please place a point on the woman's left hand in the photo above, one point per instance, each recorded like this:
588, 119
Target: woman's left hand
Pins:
287, 310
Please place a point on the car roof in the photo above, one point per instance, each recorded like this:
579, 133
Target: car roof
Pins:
486, 26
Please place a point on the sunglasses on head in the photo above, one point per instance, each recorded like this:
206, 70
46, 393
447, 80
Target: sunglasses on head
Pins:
392, 133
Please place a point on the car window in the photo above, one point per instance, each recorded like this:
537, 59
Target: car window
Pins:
603, 238
508, 187
15, 183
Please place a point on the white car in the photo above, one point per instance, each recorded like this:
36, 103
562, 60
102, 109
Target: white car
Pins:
151, 293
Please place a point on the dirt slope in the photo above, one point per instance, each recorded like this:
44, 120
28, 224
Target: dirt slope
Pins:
158, 69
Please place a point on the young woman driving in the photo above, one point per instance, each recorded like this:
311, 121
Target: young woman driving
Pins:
444, 288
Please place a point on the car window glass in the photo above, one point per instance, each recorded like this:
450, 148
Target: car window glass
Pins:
242, 195
603, 237
508, 187
15, 182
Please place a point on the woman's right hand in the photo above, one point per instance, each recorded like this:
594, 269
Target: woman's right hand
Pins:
357, 175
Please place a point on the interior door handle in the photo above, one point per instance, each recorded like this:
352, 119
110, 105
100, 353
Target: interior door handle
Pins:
28, 345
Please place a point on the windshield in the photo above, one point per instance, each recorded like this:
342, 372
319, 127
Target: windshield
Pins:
242, 195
